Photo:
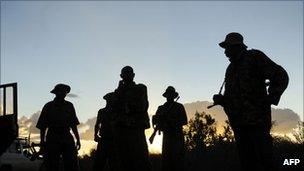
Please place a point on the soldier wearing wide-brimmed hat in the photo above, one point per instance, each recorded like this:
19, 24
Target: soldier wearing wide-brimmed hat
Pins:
170, 118
170, 93
232, 39
61, 89
247, 100
59, 116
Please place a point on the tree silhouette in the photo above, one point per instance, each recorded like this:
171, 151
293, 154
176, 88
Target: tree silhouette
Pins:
207, 150
228, 135
200, 132
298, 133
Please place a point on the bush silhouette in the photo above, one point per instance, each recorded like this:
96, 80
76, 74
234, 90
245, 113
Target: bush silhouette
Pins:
209, 151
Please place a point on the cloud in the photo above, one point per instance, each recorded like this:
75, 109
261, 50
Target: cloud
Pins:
88, 134
27, 126
72, 95
286, 120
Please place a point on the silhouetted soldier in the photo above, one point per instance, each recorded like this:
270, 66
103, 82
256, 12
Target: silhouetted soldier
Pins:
131, 122
105, 137
58, 116
253, 83
170, 118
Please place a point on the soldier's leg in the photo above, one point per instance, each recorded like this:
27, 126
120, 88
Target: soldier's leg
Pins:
131, 161
245, 146
143, 152
111, 155
180, 156
264, 148
136, 157
122, 143
100, 157
165, 159
116, 157
175, 151
52, 156
69, 156
168, 153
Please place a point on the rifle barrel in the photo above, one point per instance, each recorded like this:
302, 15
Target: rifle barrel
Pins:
151, 139
208, 107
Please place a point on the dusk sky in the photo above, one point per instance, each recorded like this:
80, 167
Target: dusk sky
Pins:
85, 44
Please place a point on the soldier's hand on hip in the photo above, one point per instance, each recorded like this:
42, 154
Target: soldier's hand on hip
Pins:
96, 138
78, 145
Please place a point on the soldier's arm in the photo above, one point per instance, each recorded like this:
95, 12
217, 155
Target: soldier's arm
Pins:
42, 140
74, 120
180, 118
156, 117
74, 123
42, 136
75, 132
97, 125
277, 76
183, 114
221, 98
144, 97
42, 122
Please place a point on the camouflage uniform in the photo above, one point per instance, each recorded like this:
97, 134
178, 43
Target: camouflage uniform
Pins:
247, 103
59, 118
105, 148
130, 124
173, 148
246, 99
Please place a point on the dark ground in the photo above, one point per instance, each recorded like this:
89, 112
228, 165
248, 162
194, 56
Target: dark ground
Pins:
225, 158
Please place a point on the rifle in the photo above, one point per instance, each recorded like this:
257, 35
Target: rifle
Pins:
220, 92
156, 128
